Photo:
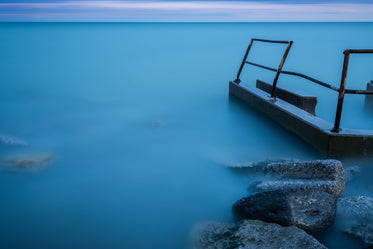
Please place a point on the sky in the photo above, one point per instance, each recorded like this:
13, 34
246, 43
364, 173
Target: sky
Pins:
187, 11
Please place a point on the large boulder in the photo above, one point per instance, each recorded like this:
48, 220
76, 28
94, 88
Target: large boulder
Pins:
327, 175
312, 210
357, 211
251, 234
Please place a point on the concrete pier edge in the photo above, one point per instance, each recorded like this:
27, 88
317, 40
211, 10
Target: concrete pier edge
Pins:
315, 131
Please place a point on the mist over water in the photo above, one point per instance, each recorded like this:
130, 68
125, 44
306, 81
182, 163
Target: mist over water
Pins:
138, 127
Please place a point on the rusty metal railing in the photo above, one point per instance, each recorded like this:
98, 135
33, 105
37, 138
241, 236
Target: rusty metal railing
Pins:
278, 70
342, 89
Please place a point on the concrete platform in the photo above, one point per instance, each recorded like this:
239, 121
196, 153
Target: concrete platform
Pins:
313, 130
299, 99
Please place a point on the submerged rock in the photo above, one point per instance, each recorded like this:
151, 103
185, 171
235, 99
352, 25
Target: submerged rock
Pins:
33, 162
251, 234
363, 232
13, 141
360, 207
351, 173
358, 211
327, 175
247, 168
156, 123
312, 210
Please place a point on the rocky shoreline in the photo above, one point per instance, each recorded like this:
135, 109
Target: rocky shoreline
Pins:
296, 201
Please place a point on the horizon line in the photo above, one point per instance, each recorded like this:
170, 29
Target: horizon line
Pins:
186, 21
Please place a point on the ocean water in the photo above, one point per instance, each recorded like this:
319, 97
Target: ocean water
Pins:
138, 126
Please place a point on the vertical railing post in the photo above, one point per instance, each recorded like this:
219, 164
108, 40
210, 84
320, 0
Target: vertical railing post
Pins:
341, 95
237, 80
273, 95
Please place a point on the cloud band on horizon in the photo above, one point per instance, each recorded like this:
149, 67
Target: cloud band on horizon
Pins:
192, 11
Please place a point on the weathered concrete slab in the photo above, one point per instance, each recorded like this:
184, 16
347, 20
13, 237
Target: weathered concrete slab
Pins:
310, 128
299, 99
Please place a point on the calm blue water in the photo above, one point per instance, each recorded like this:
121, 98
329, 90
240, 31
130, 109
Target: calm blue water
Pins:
139, 124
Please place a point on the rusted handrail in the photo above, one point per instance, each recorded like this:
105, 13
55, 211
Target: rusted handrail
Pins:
270, 41
358, 51
278, 70
342, 89
300, 75
358, 91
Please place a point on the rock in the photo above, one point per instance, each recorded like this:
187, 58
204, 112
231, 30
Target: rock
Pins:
13, 141
251, 234
158, 123
247, 168
360, 207
324, 169
327, 175
363, 232
370, 187
34, 162
331, 187
358, 213
312, 210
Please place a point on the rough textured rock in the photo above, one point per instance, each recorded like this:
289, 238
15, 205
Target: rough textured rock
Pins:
327, 175
310, 209
251, 234
358, 211
331, 187
248, 167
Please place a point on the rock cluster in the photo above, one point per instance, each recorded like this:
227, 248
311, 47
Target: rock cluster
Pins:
303, 194
30, 162
298, 199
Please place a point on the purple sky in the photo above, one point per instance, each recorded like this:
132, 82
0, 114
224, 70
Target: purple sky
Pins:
186, 11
